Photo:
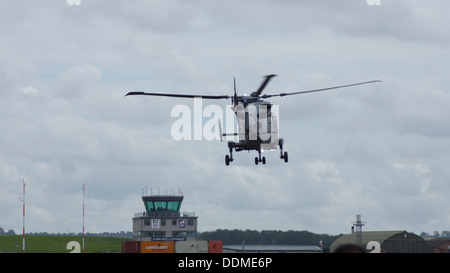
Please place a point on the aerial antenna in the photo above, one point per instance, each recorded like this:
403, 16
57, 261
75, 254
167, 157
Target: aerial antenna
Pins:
83, 219
23, 217
144, 191
358, 224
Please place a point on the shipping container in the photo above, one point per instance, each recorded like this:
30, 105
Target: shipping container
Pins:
131, 247
215, 246
191, 247
158, 247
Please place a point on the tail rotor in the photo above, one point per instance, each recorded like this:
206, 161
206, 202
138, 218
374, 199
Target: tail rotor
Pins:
235, 97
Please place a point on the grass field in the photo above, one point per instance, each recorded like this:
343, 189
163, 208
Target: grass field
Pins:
58, 244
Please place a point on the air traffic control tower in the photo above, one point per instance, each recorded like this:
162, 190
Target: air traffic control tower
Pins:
162, 220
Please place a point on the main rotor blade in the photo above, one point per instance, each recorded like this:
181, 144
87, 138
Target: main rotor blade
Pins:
178, 95
316, 90
235, 97
263, 85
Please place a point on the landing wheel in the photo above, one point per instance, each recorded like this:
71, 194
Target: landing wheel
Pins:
285, 154
264, 160
227, 160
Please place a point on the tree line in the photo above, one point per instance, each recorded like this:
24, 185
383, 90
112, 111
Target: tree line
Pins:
9, 232
121, 234
269, 237
444, 233
278, 237
237, 237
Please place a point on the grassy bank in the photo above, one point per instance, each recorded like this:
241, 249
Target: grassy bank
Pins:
58, 244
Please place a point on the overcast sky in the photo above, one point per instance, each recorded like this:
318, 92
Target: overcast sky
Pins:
379, 150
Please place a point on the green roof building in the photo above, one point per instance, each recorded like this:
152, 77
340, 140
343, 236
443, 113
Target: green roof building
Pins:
389, 241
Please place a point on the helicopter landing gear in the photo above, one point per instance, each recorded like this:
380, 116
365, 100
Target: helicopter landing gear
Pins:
285, 157
257, 160
229, 158
285, 154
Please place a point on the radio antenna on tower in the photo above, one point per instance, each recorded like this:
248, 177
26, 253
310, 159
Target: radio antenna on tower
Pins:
358, 224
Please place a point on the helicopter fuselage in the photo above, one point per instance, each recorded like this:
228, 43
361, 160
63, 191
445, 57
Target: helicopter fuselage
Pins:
257, 128
257, 125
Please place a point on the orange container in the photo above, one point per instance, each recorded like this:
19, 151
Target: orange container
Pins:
158, 247
215, 246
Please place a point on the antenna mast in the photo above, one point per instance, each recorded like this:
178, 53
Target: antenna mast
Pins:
23, 220
358, 224
83, 218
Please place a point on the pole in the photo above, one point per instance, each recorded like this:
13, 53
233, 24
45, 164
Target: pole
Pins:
23, 219
83, 219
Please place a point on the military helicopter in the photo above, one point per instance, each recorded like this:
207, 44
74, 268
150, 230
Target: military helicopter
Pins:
258, 127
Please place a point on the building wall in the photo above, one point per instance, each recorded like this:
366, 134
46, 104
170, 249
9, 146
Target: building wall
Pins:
406, 243
172, 246
191, 247
158, 247
443, 248
170, 227
390, 241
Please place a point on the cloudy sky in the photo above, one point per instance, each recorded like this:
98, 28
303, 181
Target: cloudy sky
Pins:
379, 150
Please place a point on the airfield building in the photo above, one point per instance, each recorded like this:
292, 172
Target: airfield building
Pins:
390, 241
162, 220
439, 244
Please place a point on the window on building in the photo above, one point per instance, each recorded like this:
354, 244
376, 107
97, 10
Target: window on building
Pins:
164, 206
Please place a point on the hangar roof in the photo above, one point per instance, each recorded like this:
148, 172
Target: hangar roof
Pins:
273, 248
367, 236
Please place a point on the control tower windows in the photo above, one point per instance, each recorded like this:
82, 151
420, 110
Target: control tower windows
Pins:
158, 206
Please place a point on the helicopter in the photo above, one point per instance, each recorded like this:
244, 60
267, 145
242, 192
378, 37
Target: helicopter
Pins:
257, 124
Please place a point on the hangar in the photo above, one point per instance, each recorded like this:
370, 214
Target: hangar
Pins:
271, 249
439, 244
390, 241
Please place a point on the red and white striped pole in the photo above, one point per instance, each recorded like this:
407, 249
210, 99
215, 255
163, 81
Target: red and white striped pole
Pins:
23, 227
83, 219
